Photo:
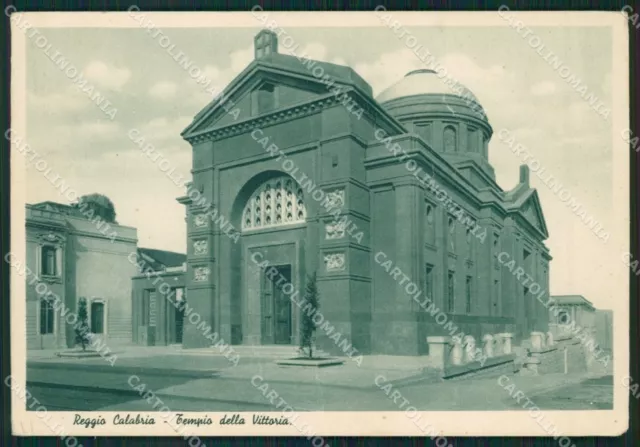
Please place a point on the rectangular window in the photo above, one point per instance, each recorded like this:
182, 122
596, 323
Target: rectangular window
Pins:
48, 261
266, 98
451, 228
468, 291
46, 317
472, 139
529, 306
424, 131
450, 291
431, 223
525, 260
97, 317
428, 286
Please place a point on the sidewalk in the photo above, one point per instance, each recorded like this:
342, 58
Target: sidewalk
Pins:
203, 363
199, 378
121, 351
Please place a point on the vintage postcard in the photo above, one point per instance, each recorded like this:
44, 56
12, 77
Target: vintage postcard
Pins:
315, 224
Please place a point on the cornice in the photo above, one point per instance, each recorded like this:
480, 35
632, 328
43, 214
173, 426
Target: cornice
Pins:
278, 116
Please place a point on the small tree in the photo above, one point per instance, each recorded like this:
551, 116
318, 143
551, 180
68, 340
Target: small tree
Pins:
82, 325
99, 205
308, 326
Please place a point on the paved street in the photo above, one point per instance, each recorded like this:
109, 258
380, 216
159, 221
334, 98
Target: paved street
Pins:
209, 383
595, 393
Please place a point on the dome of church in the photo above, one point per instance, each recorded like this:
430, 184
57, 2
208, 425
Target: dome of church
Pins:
446, 115
424, 82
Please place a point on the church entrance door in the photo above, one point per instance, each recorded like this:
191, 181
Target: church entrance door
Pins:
276, 308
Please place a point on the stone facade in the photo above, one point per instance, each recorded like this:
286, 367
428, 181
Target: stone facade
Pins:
278, 121
77, 257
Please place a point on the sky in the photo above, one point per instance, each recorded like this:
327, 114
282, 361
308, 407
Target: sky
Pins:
519, 91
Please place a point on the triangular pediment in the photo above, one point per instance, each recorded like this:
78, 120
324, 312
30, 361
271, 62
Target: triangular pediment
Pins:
293, 84
531, 210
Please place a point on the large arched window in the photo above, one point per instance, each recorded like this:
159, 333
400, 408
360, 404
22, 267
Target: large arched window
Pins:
450, 139
278, 201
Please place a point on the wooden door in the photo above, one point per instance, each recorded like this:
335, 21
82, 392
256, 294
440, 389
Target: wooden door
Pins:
282, 309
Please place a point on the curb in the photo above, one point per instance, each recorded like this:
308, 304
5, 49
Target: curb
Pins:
135, 394
131, 370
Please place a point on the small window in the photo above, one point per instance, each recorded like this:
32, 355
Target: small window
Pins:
472, 145
49, 261
450, 291
452, 234
266, 98
450, 138
46, 316
97, 317
430, 214
564, 318
468, 291
525, 258
424, 131
428, 287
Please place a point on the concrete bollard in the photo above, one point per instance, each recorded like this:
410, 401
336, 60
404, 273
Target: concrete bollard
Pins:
456, 351
550, 340
505, 342
469, 348
536, 341
487, 348
438, 350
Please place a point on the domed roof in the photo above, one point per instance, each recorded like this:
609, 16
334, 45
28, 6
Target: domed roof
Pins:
424, 82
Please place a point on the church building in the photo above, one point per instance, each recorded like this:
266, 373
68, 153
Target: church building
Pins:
290, 135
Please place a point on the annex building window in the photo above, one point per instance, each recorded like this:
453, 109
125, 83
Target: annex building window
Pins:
97, 317
46, 316
278, 201
49, 261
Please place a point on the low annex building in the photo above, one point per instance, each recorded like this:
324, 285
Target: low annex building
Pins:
159, 298
71, 254
312, 173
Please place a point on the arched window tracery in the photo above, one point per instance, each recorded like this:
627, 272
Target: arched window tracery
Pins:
276, 202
